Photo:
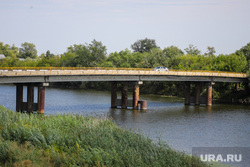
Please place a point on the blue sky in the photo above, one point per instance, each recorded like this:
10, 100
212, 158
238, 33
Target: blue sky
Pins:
56, 24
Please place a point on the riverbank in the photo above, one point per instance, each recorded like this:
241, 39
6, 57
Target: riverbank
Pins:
236, 97
73, 140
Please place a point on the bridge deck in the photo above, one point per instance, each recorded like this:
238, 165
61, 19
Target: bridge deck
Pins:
18, 75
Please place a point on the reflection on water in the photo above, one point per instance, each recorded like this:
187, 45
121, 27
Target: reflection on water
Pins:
182, 127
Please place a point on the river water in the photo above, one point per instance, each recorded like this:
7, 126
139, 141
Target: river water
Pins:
182, 127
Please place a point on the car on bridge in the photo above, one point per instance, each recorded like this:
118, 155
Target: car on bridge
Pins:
160, 69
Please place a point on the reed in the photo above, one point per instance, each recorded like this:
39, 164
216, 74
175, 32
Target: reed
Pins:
74, 140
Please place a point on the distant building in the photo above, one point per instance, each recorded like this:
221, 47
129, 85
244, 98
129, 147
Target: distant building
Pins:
2, 56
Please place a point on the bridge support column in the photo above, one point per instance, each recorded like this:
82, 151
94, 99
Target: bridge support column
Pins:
197, 99
197, 93
124, 95
30, 98
124, 102
113, 94
41, 99
187, 93
19, 97
209, 93
30, 105
135, 96
237, 86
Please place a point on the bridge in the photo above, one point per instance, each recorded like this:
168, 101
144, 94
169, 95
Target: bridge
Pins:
42, 76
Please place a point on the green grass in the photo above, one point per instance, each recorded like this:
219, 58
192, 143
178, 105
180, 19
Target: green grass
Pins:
73, 140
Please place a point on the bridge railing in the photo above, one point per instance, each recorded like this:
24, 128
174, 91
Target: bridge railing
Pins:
72, 68
14, 71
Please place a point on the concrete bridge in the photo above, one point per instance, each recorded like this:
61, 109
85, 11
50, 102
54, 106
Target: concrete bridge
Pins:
42, 76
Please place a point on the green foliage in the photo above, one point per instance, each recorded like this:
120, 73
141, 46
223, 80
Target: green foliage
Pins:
172, 52
124, 59
48, 61
210, 51
192, 50
4, 152
8, 51
196, 62
9, 62
98, 52
88, 55
48, 54
144, 45
95, 55
245, 50
73, 140
232, 62
67, 59
27, 50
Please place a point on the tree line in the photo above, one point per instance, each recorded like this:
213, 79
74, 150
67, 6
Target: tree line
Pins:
144, 53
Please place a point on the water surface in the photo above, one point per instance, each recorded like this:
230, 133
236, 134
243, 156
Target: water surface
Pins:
182, 127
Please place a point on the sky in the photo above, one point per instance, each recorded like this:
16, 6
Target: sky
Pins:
57, 24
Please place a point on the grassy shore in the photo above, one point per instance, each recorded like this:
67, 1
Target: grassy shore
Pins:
73, 140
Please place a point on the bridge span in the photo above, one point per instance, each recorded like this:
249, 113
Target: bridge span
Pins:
42, 76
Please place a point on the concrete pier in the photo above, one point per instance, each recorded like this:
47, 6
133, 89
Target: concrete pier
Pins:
113, 94
197, 99
197, 93
187, 93
135, 96
124, 102
41, 99
124, 96
19, 97
30, 106
143, 104
209, 93
30, 98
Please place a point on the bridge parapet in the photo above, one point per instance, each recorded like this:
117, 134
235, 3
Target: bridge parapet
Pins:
67, 71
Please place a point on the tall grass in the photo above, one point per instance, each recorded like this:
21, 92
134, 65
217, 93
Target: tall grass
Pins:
73, 140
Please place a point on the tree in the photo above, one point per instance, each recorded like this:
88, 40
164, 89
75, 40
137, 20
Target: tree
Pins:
245, 50
210, 51
231, 62
48, 54
98, 52
27, 50
144, 45
157, 58
172, 53
82, 55
88, 55
8, 51
124, 59
193, 50
67, 59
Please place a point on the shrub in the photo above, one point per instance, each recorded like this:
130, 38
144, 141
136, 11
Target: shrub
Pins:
74, 140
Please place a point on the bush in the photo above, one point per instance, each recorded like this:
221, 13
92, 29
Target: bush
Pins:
74, 140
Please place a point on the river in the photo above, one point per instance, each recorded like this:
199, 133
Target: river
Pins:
182, 127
